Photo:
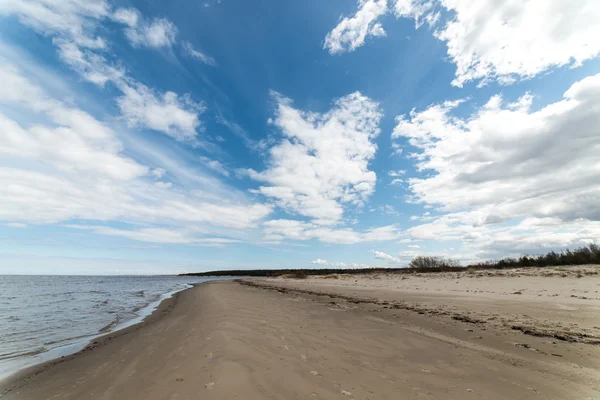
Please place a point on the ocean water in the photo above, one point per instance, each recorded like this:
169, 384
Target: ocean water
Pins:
45, 317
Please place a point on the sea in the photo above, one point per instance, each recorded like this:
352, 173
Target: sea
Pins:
46, 317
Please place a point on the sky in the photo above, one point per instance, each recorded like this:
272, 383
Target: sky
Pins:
148, 137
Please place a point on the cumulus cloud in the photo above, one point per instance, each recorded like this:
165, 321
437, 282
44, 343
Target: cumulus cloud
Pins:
518, 39
319, 261
489, 40
506, 163
528, 236
70, 166
322, 162
190, 51
386, 257
167, 112
351, 32
421, 10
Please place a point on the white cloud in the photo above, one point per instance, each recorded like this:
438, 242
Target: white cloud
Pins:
167, 112
189, 50
528, 236
70, 166
239, 132
215, 166
160, 235
394, 174
489, 40
386, 257
413, 246
127, 16
321, 164
16, 225
163, 185
382, 233
69, 19
141, 106
157, 33
286, 229
351, 32
339, 264
507, 163
92, 66
422, 11
158, 173
389, 210
77, 142
519, 39
73, 25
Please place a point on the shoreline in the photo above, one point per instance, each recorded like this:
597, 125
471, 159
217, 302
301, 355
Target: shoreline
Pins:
155, 309
225, 340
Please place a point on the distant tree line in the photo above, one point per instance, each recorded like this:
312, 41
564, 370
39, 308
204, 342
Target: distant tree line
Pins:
589, 254
291, 272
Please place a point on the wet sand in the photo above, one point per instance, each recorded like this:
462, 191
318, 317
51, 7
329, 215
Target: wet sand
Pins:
280, 339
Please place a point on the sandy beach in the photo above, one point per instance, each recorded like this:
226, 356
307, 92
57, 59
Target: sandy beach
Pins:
438, 336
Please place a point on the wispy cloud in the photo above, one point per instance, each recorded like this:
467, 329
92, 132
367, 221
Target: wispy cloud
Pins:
190, 51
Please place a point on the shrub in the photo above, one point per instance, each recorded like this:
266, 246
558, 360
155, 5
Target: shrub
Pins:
433, 262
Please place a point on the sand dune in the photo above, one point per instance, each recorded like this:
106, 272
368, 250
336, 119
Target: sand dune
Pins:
277, 339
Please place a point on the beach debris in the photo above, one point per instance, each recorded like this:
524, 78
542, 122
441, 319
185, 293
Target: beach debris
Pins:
468, 319
315, 373
346, 393
303, 357
180, 379
566, 336
209, 385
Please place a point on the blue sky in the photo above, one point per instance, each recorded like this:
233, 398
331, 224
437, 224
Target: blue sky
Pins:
167, 137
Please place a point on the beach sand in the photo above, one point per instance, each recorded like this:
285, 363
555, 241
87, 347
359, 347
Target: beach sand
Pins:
345, 338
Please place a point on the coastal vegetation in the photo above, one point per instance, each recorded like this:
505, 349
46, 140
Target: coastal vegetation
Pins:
589, 254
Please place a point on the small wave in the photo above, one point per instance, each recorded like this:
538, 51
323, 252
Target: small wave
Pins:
109, 327
140, 293
13, 318
62, 342
8, 356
